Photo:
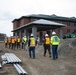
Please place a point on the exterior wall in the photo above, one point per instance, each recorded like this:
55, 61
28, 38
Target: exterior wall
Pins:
24, 21
33, 19
15, 24
69, 29
21, 22
64, 28
72, 27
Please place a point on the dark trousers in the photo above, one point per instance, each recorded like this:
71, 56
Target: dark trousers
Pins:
22, 45
5, 45
47, 47
54, 51
32, 52
9, 45
18, 45
13, 46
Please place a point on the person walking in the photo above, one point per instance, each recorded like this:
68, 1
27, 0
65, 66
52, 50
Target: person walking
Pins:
9, 42
6, 42
18, 42
13, 43
31, 44
55, 41
25, 42
47, 45
15, 38
22, 43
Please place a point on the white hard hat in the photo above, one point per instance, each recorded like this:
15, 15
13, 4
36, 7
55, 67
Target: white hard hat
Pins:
46, 34
53, 33
31, 35
25, 36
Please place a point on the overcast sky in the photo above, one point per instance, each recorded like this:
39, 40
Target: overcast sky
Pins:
12, 9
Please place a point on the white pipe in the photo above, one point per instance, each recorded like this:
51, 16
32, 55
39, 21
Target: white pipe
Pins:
4, 62
3, 58
16, 57
12, 58
8, 55
16, 60
23, 71
8, 59
18, 70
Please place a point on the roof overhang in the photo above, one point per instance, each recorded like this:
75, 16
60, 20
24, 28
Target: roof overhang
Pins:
41, 25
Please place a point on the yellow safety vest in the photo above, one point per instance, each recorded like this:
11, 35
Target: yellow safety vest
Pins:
25, 39
22, 41
47, 40
9, 40
18, 40
13, 41
55, 40
32, 42
5, 40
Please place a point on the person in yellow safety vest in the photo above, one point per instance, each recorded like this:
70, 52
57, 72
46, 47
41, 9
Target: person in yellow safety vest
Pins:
31, 44
6, 42
18, 42
9, 42
22, 43
47, 45
13, 43
25, 42
55, 41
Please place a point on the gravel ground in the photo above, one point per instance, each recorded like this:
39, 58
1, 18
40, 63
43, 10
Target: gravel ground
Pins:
64, 65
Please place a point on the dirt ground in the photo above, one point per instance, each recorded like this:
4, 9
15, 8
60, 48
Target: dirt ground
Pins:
41, 65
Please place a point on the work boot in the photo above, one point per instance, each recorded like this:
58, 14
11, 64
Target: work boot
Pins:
44, 55
50, 56
56, 57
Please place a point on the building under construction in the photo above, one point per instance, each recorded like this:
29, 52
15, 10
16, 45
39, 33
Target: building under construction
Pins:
40, 24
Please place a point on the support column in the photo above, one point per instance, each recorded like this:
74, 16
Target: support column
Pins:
60, 33
20, 34
16, 34
24, 32
34, 31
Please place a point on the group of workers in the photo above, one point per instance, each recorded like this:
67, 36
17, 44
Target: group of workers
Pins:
14, 42
49, 43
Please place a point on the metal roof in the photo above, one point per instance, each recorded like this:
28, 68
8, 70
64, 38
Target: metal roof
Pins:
46, 22
41, 23
50, 17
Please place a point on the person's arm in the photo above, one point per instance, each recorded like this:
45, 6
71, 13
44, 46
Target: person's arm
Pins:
29, 42
26, 41
51, 39
36, 42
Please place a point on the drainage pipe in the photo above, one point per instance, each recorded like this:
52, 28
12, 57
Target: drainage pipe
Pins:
23, 71
18, 70
16, 57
